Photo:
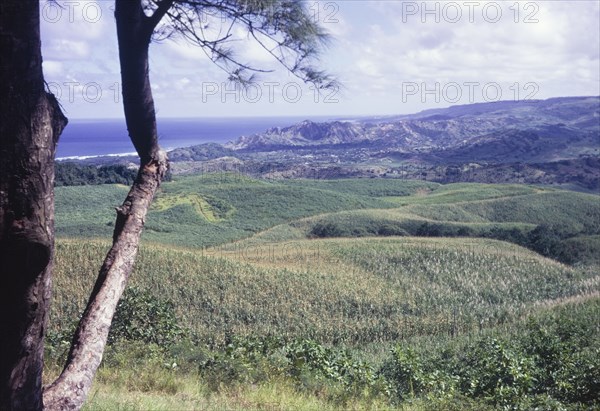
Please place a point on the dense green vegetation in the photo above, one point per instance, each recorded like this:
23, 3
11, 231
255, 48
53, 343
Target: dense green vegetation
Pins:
559, 224
248, 205
74, 174
353, 294
213, 209
254, 316
369, 187
336, 291
549, 361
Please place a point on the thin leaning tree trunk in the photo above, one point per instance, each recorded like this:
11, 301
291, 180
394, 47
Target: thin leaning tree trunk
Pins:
70, 390
134, 30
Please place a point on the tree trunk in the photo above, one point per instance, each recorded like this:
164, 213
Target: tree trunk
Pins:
134, 33
70, 390
31, 122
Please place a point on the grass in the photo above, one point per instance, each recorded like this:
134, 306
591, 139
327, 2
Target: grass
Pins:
237, 258
370, 187
506, 212
573, 212
84, 211
139, 377
215, 212
246, 258
201, 211
215, 209
115, 391
461, 192
349, 291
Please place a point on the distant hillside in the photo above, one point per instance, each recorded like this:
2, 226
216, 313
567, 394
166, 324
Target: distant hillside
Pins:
553, 142
507, 131
215, 209
561, 107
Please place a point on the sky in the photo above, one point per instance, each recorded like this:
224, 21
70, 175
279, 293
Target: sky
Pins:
390, 57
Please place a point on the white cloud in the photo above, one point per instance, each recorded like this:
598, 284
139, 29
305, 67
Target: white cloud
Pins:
64, 49
52, 68
181, 50
182, 83
252, 52
560, 49
377, 47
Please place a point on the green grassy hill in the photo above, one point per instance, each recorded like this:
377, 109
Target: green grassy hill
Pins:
557, 223
351, 291
573, 212
214, 209
87, 211
366, 294
200, 211
352, 294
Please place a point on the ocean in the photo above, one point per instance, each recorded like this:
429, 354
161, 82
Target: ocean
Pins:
92, 138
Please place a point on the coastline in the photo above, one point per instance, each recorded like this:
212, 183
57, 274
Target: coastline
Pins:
79, 158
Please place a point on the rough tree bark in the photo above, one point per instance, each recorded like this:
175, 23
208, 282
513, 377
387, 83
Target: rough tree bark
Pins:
134, 30
30, 123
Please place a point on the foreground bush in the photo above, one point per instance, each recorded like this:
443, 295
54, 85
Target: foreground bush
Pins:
312, 367
142, 317
553, 362
550, 361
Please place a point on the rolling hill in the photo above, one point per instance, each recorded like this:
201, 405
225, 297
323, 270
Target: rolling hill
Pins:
216, 209
342, 291
329, 294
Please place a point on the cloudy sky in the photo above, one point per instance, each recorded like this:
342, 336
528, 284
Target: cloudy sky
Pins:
391, 57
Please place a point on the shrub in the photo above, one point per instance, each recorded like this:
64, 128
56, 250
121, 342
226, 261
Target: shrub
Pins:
405, 371
551, 362
142, 317
73, 174
308, 363
326, 230
496, 371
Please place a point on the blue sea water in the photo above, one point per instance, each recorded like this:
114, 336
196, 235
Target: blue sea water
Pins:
86, 138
